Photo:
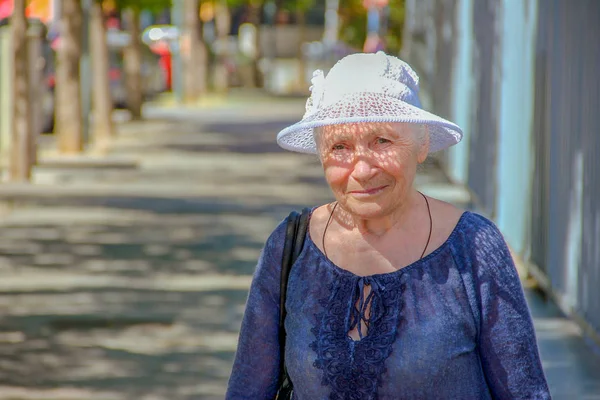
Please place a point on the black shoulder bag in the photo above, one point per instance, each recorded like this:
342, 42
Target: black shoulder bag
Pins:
294, 241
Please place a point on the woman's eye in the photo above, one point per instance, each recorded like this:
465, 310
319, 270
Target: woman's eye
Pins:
338, 147
383, 141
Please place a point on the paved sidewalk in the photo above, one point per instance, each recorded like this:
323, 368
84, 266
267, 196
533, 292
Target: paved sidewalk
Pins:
128, 280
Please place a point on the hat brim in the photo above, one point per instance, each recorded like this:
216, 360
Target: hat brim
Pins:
366, 108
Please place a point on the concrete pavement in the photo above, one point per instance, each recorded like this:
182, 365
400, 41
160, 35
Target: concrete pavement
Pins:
129, 282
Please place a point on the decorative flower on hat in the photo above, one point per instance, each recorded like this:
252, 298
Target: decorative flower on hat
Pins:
317, 91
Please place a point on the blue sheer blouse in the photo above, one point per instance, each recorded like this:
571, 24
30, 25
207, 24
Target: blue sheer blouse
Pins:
453, 325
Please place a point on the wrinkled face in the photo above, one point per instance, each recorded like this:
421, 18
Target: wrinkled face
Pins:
371, 167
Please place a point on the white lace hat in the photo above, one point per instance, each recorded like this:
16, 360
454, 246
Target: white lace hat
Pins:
366, 88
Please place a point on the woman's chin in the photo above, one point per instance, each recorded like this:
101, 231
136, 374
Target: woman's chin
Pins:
366, 209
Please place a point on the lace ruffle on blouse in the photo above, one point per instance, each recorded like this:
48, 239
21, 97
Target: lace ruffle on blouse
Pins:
353, 368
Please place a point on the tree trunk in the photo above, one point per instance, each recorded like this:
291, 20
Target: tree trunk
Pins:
133, 64
68, 119
301, 23
254, 18
21, 162
223, 26
194, 55
35, 40
332, 23
102, 129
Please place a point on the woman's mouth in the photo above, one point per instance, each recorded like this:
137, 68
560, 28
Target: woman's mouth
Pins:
368, 192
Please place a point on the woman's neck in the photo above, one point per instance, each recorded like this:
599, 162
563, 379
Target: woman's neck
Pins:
380, 226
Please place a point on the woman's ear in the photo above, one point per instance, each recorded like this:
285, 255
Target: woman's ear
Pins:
423, 143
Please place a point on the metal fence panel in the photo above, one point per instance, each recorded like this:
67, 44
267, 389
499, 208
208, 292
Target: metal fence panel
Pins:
445, 50
589, 108
514, 147
565, 221
564, 141
541, 139
484, 135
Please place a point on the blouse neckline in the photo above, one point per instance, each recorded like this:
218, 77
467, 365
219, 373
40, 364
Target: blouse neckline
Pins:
397, 272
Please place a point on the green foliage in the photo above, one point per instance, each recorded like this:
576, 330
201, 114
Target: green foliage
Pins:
237, 3
298, 5
353, 18
154, 6
353, 23
393, 39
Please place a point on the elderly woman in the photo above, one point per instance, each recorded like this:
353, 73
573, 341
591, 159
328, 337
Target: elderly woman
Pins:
395, 295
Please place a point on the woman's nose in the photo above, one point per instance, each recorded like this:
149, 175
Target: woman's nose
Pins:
363, 169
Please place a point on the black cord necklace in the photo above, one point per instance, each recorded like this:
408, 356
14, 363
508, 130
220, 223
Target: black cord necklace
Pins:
327, 226
430, 225
428, 238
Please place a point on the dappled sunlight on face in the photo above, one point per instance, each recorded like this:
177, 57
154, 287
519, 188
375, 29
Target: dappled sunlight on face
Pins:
370, 167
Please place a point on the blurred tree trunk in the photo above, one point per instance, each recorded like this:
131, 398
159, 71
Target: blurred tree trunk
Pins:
223, 26
22, 135
256, 8
103, 130
35, 41
301, 23
69, 123
194, 54
133, 63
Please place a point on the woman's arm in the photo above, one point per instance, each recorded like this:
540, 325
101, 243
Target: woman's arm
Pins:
256, 367
507, 342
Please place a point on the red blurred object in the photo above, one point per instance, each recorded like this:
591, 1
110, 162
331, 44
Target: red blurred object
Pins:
114, 74
51, 81
163, 49
113, 23
375, 3
373, 43
55, 43
6, 8
36, 9
160, 47
165, 64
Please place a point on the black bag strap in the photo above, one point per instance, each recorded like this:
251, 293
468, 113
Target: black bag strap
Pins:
294, 242
295, 235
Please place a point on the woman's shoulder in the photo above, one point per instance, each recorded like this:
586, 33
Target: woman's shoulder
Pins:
478, 240
276, 240
277, 236
467, 232
478, 229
